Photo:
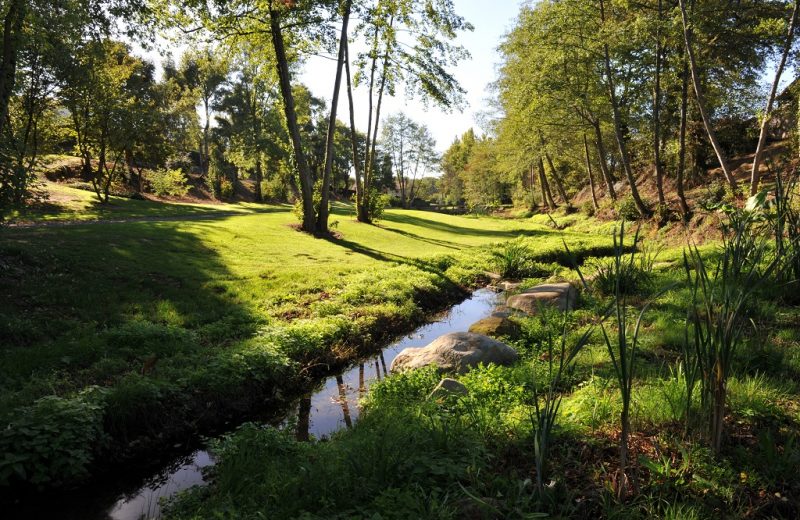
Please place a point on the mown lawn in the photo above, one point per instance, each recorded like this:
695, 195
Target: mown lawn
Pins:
410, 456
158, 327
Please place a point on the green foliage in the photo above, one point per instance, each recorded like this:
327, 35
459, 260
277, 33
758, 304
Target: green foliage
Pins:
626, 209
632, 275
413, 467
515, 260
719, 304
168, 182
52, 441
226, 189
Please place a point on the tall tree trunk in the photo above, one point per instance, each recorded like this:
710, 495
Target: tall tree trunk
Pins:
365, 196
701, 106
12, 27
755, 174
361, 214
322, 217
589, 172
532, 186
381, 89
259, 175
285, 82
623, 149
662, 201
601, 152
557, 179
682, 142
547, 196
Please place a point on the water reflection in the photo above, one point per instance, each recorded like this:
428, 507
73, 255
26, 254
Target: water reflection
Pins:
336, 404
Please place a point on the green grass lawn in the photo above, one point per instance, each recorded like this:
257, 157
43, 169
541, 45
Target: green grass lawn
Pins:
473, 456
64, 203
157, 318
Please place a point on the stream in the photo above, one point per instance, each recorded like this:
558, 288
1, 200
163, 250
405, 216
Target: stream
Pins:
331, 406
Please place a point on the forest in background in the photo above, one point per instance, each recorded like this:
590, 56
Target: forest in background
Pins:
594, 100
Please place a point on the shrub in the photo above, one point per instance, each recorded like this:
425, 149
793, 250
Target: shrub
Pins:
169, 182
274, 189
50, 441
626, 208
587, 208
226, 189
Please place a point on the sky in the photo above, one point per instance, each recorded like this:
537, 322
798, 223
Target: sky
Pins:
491, 20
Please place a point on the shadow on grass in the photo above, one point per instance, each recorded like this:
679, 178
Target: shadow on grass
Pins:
403, 218
66, 287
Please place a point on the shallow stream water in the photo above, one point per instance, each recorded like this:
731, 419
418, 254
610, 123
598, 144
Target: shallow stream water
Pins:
329, 407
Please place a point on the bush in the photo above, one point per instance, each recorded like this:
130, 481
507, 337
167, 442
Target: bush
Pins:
715, 195
226, 190
274, 189
626, 208
50, 442
169, 182
587, 208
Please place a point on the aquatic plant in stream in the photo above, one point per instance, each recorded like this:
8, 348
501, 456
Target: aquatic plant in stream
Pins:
718, 310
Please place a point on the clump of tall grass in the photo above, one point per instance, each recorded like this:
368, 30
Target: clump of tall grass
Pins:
718, 310
547, 394
622, 349
633, 274
786, 226
514, 260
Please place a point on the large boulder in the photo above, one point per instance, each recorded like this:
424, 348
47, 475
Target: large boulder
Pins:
456, 352
496, 326
509, 286
561, 296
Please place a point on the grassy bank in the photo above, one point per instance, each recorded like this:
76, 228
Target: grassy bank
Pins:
121, 336
474, 456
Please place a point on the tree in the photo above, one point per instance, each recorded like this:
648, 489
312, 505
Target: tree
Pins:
419, 63
454, 162
98, 89
755, 174
412, 150
204, 72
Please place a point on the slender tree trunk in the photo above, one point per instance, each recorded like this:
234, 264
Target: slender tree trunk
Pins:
755, 174
601, 152
589, 172
381, 89
285, 82
623, 149
259, 196
365, 196
322, 218
662, 201
682, 142
701, 106
361, 214
532, 186
547, 196
557, 179
12, 27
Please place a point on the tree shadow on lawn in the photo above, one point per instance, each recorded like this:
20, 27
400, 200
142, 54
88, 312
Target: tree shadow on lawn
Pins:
72, 291
458, 230
419, 263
